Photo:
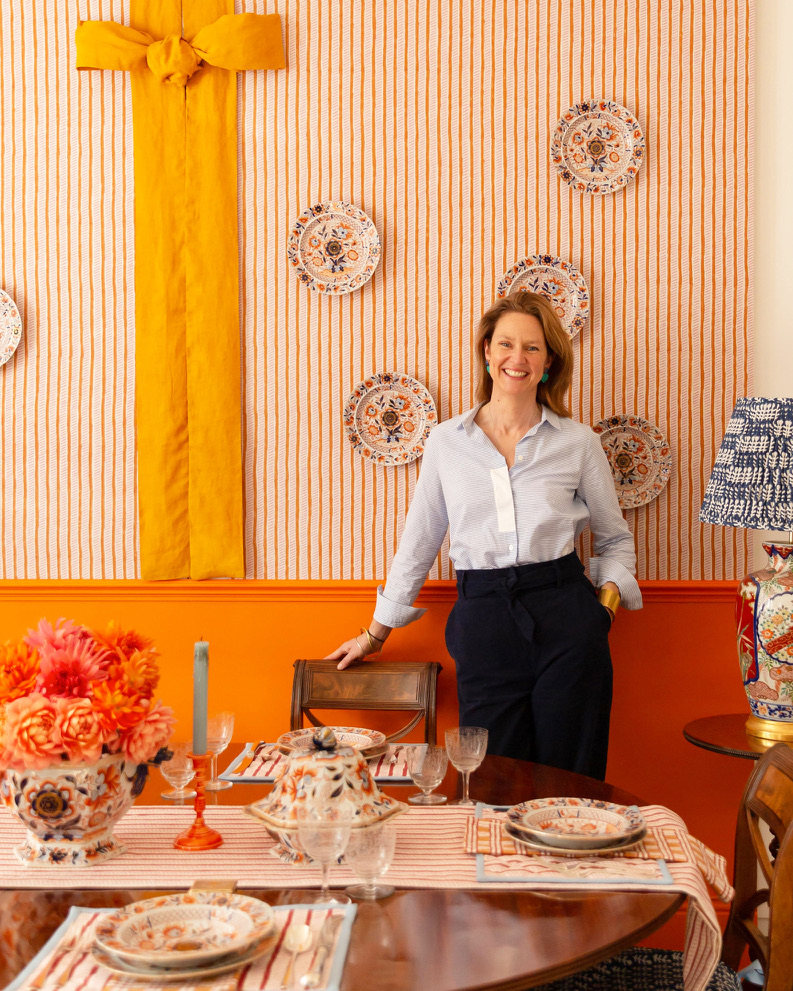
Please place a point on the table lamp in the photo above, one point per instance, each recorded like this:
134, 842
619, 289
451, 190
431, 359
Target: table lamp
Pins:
752, 486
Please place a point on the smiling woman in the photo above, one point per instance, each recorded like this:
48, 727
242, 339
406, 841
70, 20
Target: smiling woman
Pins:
515, 481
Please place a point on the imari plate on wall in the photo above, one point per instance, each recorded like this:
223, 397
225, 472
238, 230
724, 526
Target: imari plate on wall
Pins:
389, 417
10, 327
639, 455
334, 248
555, 279
597, 146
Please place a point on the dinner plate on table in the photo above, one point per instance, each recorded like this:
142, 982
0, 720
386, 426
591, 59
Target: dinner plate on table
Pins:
576, 823
171, 974
556, 851
370, 742
190, 929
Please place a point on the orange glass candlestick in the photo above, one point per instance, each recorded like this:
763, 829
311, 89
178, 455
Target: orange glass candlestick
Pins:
199, 836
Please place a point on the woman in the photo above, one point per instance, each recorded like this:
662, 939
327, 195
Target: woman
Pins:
515, 481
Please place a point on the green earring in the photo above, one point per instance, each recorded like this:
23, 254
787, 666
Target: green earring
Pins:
487, 367
544, 377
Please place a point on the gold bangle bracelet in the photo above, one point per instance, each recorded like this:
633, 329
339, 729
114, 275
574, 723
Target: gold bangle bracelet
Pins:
610, 599
372, 648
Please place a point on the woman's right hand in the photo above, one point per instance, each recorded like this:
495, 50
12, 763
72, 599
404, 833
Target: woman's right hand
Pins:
349, 651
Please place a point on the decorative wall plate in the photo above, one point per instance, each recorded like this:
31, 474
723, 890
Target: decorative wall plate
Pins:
555, 279
364, 740
388, 418
639, 455
576, 823
10, 327
334, 247
597, 146
185, 930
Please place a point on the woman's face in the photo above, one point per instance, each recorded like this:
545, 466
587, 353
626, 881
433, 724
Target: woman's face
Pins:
518, 356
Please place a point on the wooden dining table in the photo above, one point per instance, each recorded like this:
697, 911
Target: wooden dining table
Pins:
444, 939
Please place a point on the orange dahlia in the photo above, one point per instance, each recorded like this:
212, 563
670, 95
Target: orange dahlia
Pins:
117, 707
140, 674
121, 645
19, 668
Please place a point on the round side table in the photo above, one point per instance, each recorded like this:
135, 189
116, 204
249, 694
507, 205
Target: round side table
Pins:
725, 735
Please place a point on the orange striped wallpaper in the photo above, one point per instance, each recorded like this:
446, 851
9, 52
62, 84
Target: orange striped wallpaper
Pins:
434, 118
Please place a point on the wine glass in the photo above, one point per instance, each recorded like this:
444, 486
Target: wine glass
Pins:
178, 771
323, 832
369, 853
220, 726
466, 746
427, 766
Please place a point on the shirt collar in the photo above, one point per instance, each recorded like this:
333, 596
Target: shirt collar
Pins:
467, 421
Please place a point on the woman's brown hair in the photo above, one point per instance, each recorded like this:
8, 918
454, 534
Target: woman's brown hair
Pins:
552, 393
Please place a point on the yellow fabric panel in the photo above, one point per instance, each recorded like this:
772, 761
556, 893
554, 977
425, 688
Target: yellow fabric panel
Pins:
188, 412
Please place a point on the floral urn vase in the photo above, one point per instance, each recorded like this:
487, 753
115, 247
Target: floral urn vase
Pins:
764, 617
69, 809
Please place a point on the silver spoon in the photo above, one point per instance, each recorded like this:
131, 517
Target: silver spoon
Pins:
297, 939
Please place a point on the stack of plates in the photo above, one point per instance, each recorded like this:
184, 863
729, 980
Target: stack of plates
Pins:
575, 826
185, 936
370, 742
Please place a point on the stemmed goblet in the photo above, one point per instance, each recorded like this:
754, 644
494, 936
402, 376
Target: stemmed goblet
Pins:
178, 771
427, 766
466, 746
219, 729
369, 853
323, 832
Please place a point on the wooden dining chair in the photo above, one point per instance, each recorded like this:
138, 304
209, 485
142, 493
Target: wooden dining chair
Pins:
409, 686
768, 799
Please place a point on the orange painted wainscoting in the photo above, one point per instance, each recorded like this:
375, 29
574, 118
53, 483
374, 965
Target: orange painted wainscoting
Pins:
674, 661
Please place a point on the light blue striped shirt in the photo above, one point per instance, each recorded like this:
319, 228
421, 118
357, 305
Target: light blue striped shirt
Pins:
499, 517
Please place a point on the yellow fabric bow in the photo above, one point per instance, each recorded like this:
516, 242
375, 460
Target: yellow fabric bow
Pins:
187, 347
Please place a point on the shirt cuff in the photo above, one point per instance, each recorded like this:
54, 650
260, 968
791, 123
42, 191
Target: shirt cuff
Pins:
601, 570
391, 613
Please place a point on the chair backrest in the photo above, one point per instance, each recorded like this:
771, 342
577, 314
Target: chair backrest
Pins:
768, 799
384, 685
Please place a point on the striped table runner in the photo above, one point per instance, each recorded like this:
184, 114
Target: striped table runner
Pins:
431, 853
264, 762
66, 962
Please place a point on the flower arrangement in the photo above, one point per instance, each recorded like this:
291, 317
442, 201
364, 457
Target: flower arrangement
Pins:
71, 693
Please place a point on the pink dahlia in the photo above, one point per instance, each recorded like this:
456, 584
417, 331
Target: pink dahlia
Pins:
67, 672
31, 739
61, 636
142, 741
79, 728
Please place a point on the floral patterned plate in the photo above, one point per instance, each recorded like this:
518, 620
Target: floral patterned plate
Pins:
10, 327
597, 146
185, 930
639, 455
576, 823
365, 740
558, 280
556, 851
388, 418
166, 974
334, 247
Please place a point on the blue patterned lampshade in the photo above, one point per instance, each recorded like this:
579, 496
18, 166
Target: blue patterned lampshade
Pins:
752, 480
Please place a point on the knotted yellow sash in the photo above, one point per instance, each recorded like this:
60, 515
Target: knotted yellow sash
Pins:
187, 351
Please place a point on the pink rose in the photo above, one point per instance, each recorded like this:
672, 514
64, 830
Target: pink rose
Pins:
142, 741
79, 729
31, 738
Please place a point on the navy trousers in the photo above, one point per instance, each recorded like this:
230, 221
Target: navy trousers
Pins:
533, 665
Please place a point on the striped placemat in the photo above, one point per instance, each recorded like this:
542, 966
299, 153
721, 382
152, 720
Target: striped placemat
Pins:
431, 853
264, 762
66, 962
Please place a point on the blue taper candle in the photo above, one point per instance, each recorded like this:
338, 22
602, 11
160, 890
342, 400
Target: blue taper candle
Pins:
200, 696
